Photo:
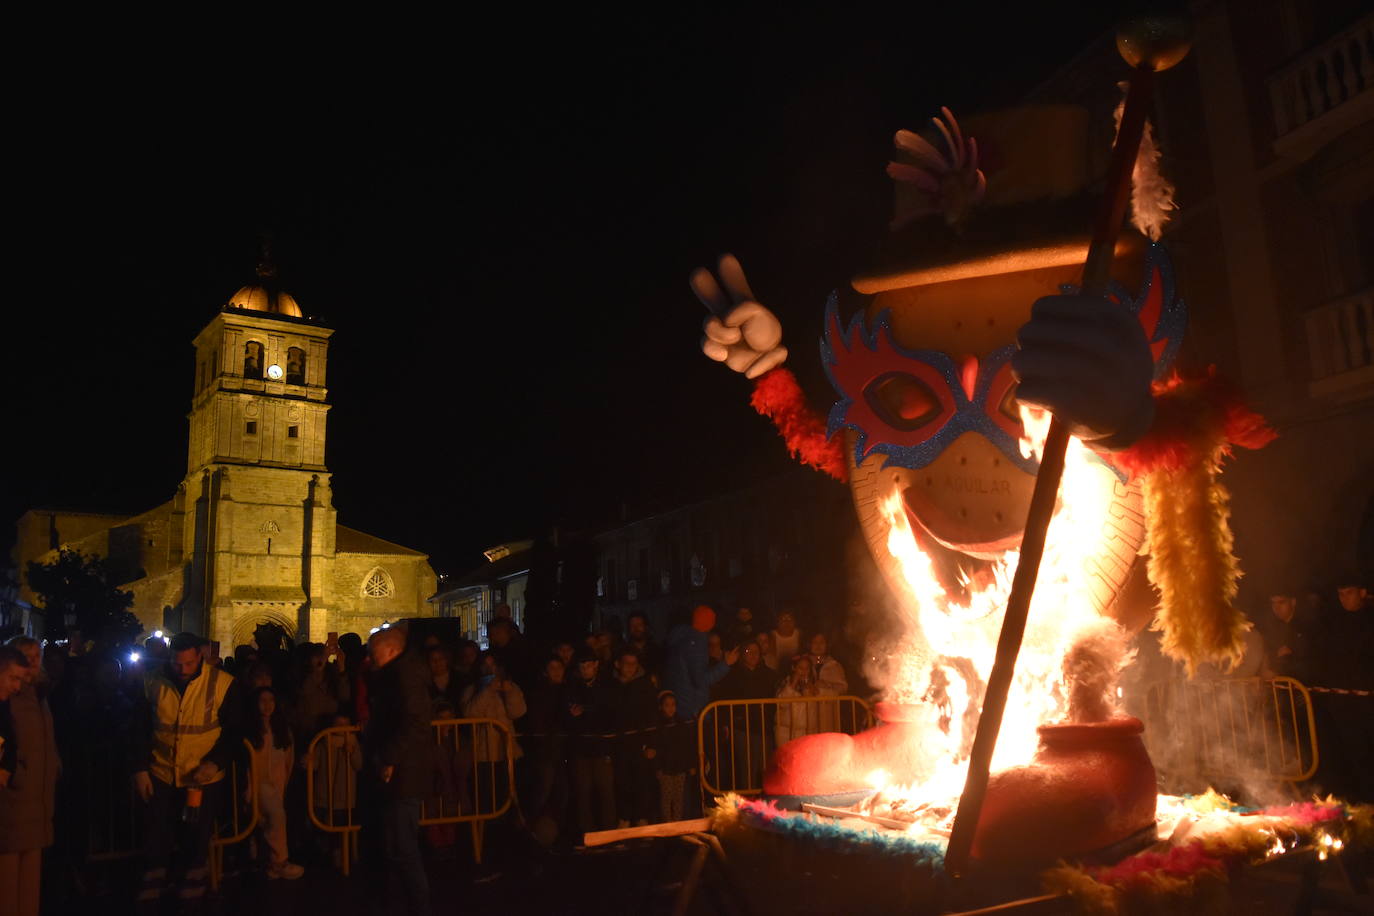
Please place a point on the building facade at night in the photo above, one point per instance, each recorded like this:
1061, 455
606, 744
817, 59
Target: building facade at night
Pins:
782, 543
472, 598
1267, 130
251, 534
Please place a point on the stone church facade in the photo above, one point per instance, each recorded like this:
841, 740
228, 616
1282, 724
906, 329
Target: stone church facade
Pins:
251, 533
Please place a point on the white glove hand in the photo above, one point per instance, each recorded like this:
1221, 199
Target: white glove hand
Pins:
740, 332
1086, 360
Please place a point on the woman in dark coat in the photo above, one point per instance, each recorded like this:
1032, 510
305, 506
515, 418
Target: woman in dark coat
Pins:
26, 799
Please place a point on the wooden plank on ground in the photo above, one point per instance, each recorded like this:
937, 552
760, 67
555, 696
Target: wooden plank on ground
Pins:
668, 828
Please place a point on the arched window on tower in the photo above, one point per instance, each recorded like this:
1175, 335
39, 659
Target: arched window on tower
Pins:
295, 366
252, 360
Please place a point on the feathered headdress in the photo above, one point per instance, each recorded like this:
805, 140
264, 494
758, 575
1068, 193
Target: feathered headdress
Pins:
944, 183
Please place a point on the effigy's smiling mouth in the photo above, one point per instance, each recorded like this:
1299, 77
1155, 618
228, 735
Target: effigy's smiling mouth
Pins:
956, 532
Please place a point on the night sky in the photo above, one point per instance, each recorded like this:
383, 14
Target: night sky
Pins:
499, 235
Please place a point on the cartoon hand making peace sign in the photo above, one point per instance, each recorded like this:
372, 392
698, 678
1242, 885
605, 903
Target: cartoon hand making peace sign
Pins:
739, 332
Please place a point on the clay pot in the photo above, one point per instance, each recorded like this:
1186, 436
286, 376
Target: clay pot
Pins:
833, 763
1089, 786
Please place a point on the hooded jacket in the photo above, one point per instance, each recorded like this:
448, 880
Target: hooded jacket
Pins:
689, 671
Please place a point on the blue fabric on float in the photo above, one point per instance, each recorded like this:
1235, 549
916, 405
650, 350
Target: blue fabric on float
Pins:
831, 837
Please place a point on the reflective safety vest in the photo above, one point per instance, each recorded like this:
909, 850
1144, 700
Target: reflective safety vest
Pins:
185, 725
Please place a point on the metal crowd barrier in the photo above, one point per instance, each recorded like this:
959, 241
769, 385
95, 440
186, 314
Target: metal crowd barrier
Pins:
1232, 731
735, 737
113, 815
241, 822
474, 780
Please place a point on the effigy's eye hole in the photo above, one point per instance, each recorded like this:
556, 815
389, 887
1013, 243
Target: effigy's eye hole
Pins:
1010, 407
903, 401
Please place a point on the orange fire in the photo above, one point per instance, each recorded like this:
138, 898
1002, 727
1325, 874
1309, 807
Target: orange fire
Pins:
948, 649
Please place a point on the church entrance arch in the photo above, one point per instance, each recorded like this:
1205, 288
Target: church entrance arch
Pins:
249, 620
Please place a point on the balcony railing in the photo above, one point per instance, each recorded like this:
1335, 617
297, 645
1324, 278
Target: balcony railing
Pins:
1324, 78
1340, 343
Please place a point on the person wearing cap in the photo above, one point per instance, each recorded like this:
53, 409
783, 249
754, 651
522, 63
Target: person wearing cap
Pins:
589, 718
189, 729
1290, 637
688, 670
1348, 666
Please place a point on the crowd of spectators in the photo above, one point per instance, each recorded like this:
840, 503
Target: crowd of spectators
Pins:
605, 726
606, 734
1326, 641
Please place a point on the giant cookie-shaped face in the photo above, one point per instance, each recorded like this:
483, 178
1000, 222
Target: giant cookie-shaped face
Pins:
927, 402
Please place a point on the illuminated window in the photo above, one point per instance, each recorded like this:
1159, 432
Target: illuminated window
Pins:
252, 360
378, 584
295, 366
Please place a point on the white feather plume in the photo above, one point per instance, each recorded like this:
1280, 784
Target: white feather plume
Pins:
1152, 195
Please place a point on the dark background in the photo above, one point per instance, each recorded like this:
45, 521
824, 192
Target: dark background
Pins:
499, 228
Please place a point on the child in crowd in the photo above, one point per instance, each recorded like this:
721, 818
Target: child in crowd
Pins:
673, 753
797, 719
273, 759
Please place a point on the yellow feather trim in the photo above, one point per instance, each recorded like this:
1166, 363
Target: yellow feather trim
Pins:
1192, 564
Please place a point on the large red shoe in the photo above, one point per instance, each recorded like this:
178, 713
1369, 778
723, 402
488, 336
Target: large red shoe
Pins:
833, 764
1090, 786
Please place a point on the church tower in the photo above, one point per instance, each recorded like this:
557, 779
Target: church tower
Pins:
256, 518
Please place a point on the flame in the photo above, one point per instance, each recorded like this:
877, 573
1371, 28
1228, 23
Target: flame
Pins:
949, 647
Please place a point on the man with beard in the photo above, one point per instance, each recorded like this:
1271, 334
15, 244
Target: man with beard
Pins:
188, 729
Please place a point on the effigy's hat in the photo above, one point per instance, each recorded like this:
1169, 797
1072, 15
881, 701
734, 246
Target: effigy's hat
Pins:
995, 193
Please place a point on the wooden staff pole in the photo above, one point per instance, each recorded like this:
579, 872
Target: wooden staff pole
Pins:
1149, 46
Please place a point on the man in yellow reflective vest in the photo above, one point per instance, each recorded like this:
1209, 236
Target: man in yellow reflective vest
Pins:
189, 730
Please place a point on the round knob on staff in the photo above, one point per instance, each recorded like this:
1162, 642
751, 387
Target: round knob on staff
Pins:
1154, 42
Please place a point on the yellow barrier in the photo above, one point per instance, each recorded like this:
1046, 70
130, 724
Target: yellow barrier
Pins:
1231, 731
238, 832
475, 777
735, 737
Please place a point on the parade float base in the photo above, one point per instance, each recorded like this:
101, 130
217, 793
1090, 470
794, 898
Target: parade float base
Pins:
1205, 855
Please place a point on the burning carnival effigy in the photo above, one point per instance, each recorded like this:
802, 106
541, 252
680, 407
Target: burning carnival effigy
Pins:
976, 342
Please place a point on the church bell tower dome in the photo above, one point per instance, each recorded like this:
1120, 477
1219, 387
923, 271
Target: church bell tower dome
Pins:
266, 295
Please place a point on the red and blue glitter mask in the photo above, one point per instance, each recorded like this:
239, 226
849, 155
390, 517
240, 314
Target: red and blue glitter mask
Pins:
911, 404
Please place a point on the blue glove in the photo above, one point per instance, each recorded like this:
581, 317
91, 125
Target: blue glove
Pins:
1086, 360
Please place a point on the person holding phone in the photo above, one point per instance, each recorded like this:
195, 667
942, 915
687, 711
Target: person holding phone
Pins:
494, 696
